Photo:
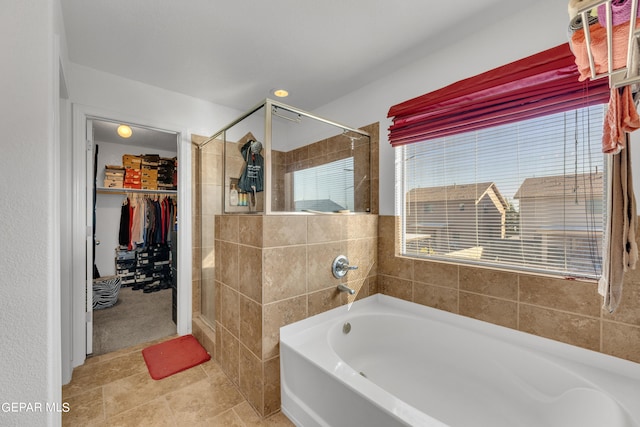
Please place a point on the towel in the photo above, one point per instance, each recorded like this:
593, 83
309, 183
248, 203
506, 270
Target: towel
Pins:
574, 5
621, 118
620, 12
620, 250
620, 45
576, 22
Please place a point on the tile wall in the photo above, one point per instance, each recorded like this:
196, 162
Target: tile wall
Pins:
275, 270
563, 310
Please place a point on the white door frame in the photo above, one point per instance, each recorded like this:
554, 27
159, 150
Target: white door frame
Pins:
83, 227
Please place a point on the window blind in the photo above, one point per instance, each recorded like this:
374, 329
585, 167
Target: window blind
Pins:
525, 195
534, 86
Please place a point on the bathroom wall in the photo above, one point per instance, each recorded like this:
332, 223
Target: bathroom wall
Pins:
274, 270
563, 310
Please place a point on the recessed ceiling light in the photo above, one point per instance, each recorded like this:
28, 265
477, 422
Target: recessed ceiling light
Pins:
124, 131
281, 93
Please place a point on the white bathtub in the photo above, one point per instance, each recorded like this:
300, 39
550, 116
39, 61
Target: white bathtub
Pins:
407, 364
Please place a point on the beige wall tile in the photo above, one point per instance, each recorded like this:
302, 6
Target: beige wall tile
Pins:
325, 228
251, 325
228, 264
495, 283
565, 327
629, 309
271, 386
277, 315
362, 254
284, 230
324, 300
230, 309
228, 351
250, 266
498, 311
436, 296
285, 273
399, 267
395, 287
229, 228
567, 295
251, 379
250, 229
621, 340
436, 273
319, 261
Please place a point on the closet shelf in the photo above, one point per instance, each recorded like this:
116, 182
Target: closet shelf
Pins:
105, 190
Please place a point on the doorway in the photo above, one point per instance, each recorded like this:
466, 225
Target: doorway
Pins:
134, 260
83, 213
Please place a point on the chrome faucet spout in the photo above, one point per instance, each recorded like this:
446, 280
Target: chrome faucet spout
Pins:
344, 288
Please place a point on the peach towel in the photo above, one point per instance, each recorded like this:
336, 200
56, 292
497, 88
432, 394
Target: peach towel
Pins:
621, 117
619, 42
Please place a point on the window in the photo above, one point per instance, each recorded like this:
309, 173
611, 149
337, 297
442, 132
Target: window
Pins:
325, 188
524, 196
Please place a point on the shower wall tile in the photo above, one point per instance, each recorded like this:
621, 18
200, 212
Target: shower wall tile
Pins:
324, 228
229, 228
319, 261
572, 296
621, 340
284, 230
271, 386
251, 325
324, 300
250, 266
285, 273
228, 264
251, 379
250, 230
498, 311
230, 310
277, 315
228, 352
570, 328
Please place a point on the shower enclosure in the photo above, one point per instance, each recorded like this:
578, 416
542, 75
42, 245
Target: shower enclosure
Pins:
280, 160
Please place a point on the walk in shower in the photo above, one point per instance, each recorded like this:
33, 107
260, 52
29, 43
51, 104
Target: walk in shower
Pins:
277, 159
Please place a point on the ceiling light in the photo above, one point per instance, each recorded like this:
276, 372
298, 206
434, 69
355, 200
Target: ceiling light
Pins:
124, 131
281, 93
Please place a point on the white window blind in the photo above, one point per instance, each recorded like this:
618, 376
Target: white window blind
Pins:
524, 196
325, 188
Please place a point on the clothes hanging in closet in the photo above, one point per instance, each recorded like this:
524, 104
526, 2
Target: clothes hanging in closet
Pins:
146, 220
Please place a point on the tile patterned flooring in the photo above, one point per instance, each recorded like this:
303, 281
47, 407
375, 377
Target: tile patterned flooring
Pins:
115, 389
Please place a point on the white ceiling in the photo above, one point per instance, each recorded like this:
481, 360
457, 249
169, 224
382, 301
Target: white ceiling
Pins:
105, 131
234, 52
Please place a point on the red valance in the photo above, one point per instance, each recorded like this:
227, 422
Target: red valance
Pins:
538, 85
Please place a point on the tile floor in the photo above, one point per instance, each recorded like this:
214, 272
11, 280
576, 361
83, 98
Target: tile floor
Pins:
115, 389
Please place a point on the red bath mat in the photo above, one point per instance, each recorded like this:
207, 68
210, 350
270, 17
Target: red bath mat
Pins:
173, 356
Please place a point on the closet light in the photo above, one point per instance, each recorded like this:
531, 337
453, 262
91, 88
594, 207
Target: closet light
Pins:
281, 93
124, 131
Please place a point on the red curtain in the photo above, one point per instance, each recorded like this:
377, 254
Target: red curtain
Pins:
541, 84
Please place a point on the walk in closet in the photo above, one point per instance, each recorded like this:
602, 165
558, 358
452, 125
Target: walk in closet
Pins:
135, 235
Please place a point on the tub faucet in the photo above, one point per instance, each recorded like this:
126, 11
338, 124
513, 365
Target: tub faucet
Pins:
344, 288
341, 266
